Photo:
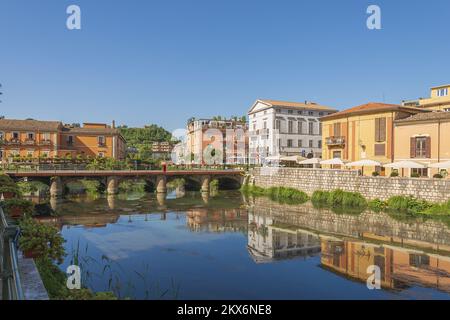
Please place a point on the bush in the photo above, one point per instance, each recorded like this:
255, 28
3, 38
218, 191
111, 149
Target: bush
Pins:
415, 175
26, 187
132, 186
320, 197
91, 186
335, 198
375, 174
377, 205
407, 204
438, 176
26, 207
394, 174
284, 194
41, 240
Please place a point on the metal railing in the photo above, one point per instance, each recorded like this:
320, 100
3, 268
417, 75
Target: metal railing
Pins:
9, 265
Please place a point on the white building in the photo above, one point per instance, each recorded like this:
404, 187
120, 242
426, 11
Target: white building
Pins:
285, 128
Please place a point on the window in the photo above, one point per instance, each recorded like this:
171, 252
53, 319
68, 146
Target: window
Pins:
278, 110
69, 140
320, 128
311, 143
380, 149
101, 154
290, 126
15, 135
421, 147
380, 129
277, 124
311, 128
300, 143
46, 153
290, 112
337, 154
30, 153
320, 114
30, 136
289, 143
300, 127
254, 127
319, 144
311, 113
101, 140
337, 130
2, 135
299, 112
46, 136
442, 92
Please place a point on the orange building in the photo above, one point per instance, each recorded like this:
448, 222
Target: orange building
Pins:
35, 139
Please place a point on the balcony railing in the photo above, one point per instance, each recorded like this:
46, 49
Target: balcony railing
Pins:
13, 142
29, 142
335, 141
45, 142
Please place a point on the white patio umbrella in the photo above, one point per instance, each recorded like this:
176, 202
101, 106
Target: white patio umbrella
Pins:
363, 163
335, 161
310, 161
405, 164
440, 165
273, 158
292, 158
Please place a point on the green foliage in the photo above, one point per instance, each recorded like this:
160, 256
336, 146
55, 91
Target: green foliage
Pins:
394, 173
415, 175
27, 187
377, 205
26, 207
375, 174
438, 176
176, 183
143, 138
55, 283
8, 185
438, 209
127, 186
91, 186
280, 194
43, 240
407, 204
339, 199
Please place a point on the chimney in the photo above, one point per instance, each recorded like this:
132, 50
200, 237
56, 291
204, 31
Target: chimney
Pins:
114, 124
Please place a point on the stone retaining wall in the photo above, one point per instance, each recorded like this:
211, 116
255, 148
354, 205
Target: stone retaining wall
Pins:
310, 180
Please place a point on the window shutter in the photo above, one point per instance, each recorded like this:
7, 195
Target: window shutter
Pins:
428, 147
382, 128
413, 148
377, 129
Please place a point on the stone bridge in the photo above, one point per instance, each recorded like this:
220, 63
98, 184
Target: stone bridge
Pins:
57, 179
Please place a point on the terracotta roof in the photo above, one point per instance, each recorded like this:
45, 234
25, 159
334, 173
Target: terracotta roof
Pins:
32, 125
81, 130
429, 116
369, 108
295, 105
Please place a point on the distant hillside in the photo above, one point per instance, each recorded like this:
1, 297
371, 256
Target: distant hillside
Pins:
142, 138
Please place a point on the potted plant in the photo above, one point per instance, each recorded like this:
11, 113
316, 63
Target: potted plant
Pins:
17, 208
38, 240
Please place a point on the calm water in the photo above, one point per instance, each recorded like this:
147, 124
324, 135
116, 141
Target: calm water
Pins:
232, 247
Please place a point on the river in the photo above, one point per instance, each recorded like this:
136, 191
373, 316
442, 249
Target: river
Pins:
189, 246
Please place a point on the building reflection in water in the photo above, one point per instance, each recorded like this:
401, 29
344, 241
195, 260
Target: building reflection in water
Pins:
400, 267
270, 240
217, 220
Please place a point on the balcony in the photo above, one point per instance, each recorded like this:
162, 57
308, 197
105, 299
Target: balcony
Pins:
13, 142
29, 142
45, 142
335, 141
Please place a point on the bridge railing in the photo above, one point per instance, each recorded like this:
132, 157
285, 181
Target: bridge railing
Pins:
9, 266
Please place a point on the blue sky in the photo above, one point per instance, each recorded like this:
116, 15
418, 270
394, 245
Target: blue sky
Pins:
164, 61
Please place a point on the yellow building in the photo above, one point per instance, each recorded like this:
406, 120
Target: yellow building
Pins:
423, 138
363, 132
439, 99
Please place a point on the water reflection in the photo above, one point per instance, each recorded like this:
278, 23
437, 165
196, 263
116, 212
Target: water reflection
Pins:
300, 251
